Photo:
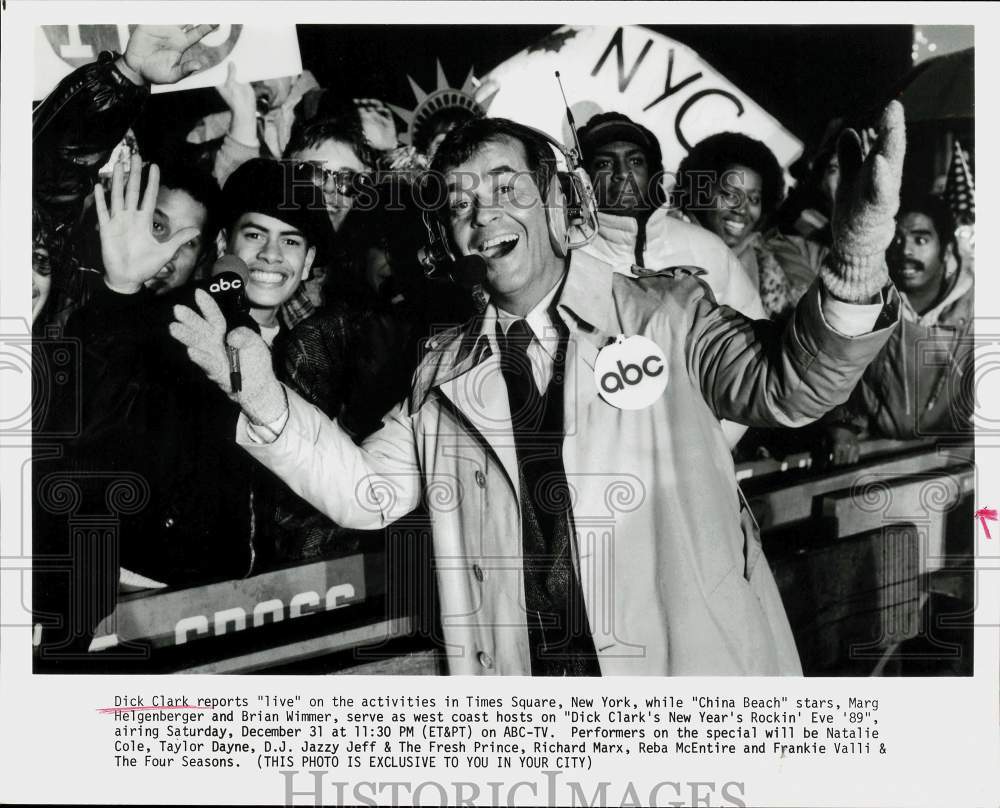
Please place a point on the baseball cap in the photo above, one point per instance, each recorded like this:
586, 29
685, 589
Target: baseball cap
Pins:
610, 126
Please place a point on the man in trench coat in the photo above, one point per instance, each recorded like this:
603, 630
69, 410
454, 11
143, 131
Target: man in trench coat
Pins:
664, 555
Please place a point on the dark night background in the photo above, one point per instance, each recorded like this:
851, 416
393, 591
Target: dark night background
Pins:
803, 75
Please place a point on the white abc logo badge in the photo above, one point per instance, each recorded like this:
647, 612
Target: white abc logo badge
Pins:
631, 373
225, 286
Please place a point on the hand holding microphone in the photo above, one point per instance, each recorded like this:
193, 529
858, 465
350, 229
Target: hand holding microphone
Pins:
237, 360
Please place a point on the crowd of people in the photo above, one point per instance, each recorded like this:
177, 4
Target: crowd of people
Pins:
327, 216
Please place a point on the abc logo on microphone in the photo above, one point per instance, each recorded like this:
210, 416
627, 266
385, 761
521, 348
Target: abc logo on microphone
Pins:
225, 285
631, 373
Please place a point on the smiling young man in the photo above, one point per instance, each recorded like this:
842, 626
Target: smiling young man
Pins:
274, 222
578, 532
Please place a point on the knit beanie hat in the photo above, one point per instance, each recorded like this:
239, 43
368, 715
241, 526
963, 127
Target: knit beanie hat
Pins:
278, 188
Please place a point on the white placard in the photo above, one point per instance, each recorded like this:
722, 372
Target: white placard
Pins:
258, 52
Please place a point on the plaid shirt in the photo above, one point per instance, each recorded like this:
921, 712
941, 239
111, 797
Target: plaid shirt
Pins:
297, 308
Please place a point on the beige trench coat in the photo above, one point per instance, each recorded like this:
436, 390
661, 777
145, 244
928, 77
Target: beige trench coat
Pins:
670, 564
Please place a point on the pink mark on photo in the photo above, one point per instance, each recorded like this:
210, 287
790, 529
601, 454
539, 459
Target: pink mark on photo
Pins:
982, 515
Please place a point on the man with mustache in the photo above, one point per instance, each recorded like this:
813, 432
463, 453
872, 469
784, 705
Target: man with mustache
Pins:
577, 531
921, 382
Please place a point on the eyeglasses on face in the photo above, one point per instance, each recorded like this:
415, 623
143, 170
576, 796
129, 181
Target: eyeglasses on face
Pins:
344, 181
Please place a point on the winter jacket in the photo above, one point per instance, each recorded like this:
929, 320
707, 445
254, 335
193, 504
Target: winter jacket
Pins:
661, 241
74, 131
146, 409
781, 267
922, 382
670, 563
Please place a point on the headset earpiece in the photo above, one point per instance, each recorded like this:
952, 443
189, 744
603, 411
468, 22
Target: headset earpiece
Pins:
570, 207
555, 203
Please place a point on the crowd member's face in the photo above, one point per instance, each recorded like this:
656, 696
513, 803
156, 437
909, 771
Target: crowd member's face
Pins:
335, 158
736, 205
916, 258
175, 210
41, 279
273, 92
277, 255
496, 210
619, 171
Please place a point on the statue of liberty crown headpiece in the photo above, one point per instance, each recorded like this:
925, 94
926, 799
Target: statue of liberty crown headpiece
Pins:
444, 97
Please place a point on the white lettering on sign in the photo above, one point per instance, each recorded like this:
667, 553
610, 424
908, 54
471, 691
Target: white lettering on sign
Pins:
656, 81
234, 618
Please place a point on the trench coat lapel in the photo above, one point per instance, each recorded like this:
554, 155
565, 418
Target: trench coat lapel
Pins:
585, 308
477, 390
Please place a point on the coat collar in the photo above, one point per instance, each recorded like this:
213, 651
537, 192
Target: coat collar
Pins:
584, 303
586, 295
470, 378
960, 284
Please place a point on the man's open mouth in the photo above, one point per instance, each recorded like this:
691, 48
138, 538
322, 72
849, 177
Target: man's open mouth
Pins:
265, 276
499, 246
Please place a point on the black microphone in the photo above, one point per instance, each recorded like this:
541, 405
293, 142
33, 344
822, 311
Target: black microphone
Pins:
227, 286
469, 271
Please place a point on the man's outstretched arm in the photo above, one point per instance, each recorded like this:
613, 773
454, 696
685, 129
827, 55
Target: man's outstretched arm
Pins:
758, 374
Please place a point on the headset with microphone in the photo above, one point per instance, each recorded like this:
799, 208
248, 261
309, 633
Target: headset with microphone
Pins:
570, 211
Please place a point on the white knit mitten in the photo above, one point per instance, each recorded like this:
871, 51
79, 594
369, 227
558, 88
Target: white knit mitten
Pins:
865, 209
261, 395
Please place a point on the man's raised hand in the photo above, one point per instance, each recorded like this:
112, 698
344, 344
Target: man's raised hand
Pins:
160, 54
865, 209
238, 95
131, 253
